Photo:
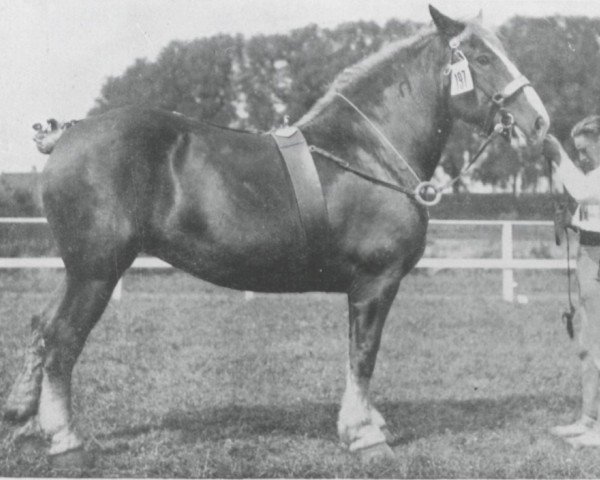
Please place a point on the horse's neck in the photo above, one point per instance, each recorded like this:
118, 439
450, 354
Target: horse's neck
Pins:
410, 111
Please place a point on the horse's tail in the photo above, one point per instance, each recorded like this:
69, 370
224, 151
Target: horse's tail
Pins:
46, 139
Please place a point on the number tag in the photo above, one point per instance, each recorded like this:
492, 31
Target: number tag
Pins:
461, 80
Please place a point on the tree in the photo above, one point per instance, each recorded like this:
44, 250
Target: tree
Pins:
193, 78
251, 83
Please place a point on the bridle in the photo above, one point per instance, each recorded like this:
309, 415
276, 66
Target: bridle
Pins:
427, 193
498, 99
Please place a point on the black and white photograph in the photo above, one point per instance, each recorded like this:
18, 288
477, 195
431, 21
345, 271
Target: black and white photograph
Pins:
300, 239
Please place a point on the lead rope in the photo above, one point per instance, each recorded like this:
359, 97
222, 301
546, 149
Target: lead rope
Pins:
569, 314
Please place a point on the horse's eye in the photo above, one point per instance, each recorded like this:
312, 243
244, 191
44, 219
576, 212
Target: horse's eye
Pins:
483, 60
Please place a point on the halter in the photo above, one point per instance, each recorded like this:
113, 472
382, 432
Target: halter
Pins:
499, 99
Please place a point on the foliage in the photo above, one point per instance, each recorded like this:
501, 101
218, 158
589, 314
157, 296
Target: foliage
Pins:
18, 201
251, 83
194, 78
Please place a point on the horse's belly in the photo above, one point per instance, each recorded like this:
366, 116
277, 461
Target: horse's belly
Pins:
268, 266
237, 249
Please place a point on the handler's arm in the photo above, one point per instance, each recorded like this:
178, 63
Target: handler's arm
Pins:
583, 188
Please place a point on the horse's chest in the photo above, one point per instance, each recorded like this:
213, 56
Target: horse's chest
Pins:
389, 237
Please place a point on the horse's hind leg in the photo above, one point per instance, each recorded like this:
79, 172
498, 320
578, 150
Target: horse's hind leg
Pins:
23, 400
56, 343
64, 337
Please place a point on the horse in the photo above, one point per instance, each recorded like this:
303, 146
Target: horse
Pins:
219, 204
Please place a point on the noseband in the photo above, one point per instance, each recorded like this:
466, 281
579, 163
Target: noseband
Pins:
500, 99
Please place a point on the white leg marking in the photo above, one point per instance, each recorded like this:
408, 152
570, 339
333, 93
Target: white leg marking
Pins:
54, 409
376, 417
55, 419
64, 441
359, 423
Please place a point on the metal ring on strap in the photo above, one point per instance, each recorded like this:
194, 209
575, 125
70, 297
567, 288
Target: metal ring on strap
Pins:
426, 193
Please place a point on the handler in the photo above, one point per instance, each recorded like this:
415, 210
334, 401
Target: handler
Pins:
582, 181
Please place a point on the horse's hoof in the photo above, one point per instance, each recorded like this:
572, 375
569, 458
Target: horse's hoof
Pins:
30, 429
21, 404
376, 453
30, 446
75, 461
393, 440
16, 414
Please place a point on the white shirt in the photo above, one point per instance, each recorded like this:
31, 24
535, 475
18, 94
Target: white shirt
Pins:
585, 189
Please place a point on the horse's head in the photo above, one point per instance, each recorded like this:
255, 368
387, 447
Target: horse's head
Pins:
483, 84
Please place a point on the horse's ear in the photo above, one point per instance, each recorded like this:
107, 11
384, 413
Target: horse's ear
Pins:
446, 25
480, 15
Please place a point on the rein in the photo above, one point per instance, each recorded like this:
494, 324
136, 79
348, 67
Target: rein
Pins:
423, 188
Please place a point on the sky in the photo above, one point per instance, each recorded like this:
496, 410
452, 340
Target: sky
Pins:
55, 55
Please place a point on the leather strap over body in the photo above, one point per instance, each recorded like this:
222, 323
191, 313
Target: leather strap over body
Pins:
308, 192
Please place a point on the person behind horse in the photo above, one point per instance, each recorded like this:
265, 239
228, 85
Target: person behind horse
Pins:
582, 180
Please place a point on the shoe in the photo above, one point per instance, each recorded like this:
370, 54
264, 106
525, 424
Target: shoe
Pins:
591, 438
581, 426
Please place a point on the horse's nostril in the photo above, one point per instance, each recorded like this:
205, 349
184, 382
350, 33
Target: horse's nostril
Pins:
540, 123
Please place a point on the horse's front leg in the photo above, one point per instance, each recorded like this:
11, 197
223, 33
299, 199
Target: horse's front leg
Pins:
360, 425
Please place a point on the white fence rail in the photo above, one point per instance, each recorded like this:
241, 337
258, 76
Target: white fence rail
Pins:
506, 262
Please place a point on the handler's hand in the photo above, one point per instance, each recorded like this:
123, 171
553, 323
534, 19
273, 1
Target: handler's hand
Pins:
552, 149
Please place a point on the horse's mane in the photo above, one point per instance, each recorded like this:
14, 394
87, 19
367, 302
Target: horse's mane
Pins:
354, 74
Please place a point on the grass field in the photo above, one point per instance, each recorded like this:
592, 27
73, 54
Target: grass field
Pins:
184, 379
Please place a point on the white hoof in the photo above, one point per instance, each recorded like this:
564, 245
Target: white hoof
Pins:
31, 428
389, 437
65, 441
366, 436
376, 453
73, 462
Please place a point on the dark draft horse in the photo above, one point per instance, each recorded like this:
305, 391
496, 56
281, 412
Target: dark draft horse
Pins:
217, 203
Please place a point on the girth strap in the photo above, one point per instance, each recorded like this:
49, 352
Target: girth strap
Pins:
307, 188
